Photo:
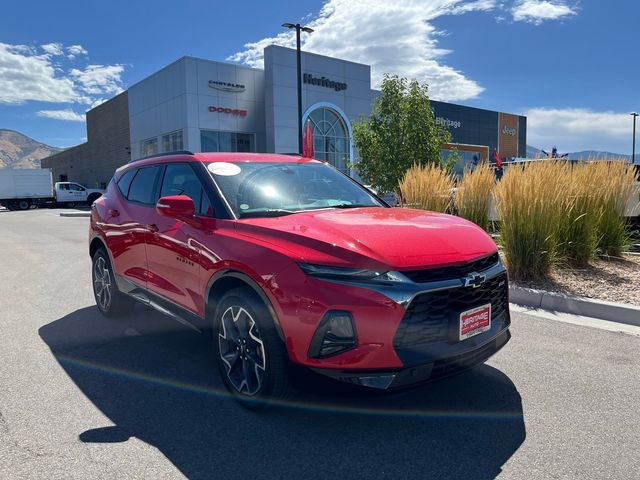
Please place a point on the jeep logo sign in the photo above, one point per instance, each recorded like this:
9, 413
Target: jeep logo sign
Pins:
509, 131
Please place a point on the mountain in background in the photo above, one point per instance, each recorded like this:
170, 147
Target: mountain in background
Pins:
533, 152
19, 151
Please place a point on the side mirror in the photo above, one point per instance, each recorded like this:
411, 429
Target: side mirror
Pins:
180, 207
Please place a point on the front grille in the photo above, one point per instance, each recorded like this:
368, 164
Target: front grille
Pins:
455, 271
434, 316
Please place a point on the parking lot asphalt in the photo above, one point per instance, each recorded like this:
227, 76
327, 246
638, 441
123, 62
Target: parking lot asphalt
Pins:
140, 397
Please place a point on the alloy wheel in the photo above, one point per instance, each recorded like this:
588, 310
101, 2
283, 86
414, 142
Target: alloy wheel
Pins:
102, 283
242, 350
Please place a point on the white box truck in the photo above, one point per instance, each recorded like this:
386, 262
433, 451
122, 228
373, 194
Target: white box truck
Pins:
22, 188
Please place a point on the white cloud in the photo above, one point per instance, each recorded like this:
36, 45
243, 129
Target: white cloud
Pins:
396, 38
66, 114
54, 49
26, 75
538, 11
575, 129
96, 102
75, 50
99, 79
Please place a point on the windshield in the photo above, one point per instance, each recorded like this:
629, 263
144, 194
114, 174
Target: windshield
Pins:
263, 189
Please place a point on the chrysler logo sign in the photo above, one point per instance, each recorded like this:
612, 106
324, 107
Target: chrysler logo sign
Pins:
226, 86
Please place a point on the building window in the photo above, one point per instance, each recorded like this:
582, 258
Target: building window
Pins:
149, 147
331, 141
172, 142
212, 141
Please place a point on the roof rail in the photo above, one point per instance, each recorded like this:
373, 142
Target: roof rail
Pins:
165, 154
295, 154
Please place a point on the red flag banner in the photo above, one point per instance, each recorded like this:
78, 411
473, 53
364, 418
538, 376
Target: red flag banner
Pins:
307, 141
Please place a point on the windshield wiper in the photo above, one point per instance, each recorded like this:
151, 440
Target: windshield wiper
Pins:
350, 205
269, 212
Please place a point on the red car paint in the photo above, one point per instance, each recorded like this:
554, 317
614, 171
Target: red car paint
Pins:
178, 260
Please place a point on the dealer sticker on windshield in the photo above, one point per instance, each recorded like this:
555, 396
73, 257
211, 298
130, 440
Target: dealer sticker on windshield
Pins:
475, 321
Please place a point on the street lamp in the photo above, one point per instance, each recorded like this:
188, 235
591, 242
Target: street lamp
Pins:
633, 151
297, 27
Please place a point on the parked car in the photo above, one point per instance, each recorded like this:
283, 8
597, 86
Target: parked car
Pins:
286, 260
22, 188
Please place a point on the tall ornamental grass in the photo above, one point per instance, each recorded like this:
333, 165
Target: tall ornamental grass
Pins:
474, 194
577, 236
427, 187
614, 188
529, 200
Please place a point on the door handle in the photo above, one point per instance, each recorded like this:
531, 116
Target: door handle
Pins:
153, 228
113, 213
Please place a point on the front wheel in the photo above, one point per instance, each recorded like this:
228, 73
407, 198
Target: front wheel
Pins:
110, 301
252, 358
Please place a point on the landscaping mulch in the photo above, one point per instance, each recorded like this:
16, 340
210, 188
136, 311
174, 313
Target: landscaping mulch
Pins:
614, 280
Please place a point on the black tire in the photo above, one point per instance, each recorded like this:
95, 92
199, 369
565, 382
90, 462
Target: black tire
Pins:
70, 204
241, 353
110, 301
24, 204
93, 197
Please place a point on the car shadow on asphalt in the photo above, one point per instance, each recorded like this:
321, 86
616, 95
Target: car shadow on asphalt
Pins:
158, 381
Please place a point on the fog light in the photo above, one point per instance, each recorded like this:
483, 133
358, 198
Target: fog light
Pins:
336, 333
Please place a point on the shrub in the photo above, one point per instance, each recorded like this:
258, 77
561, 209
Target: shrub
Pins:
427, 187
577, 236
614, 189
529, 200
474, 194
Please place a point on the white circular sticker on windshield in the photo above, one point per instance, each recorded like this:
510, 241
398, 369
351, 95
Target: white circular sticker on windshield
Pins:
224, 168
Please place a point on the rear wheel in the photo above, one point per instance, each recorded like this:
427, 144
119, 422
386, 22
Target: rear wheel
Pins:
252, 358
110, 301
24, 204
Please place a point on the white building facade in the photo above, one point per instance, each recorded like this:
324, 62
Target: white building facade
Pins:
203, 106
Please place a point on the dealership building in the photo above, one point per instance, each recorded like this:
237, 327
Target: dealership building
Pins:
206, 106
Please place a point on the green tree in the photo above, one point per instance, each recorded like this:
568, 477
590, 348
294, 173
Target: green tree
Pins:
401, 131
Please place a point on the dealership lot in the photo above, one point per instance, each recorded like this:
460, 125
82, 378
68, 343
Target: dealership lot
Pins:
86, 397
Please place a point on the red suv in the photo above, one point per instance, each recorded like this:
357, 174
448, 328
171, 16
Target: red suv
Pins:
285, 259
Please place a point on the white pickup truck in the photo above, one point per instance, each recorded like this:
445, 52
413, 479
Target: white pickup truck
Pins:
22, 188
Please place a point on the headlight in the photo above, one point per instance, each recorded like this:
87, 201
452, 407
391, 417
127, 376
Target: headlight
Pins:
324, 271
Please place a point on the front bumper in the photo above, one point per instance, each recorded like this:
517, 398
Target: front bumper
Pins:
418, 374
400, 324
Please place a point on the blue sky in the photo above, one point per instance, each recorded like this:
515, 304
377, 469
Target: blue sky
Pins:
569, 65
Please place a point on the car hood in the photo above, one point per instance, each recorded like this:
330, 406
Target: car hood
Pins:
396, 238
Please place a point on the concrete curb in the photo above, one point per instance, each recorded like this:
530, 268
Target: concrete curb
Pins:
75, 214
588, 307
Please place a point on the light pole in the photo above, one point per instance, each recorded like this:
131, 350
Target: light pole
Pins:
297, 27
633, 151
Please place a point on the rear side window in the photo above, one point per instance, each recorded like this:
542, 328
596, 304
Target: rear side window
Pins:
143, 185
125, 182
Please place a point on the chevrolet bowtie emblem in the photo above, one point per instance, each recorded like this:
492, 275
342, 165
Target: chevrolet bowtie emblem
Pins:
474, 280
